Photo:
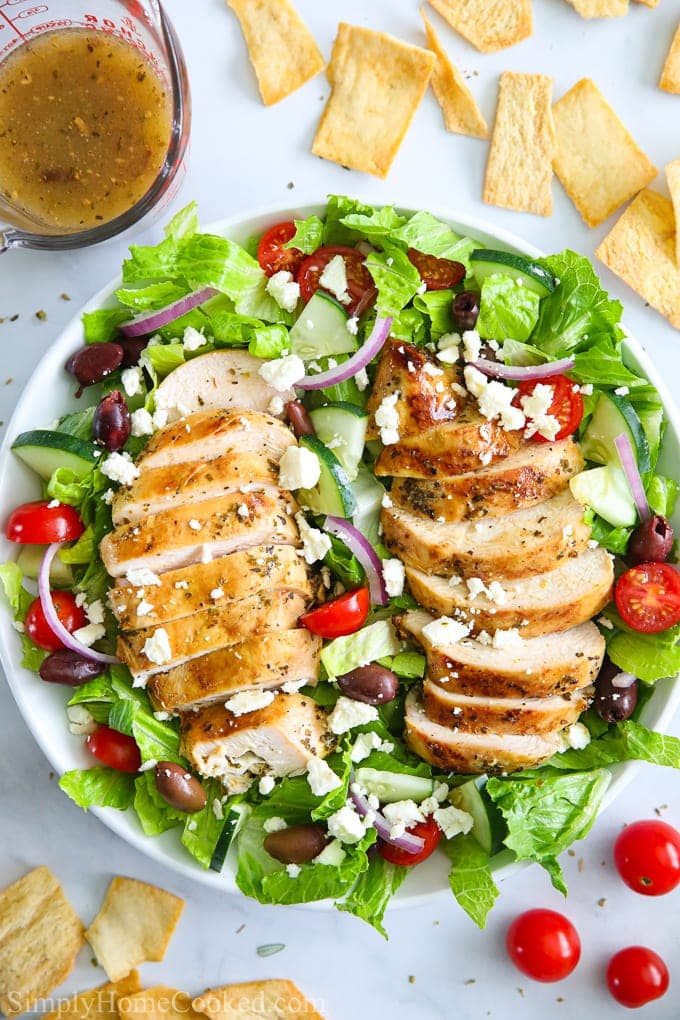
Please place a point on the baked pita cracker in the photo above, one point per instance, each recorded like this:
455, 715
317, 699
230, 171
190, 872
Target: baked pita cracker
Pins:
281, 48
461, 113
377, 83
489, 25
648, 3
102, 1003
40, 937
670, 76
256, 1000
597, 161
673, 178
519, 168
641, 251
135, 924
159, 1003
600, 8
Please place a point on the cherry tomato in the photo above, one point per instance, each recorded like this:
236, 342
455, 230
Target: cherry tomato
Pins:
567, 404
436, 274
647, 857
340, 616
114, 749
38, 629
40, 523
272, 255
544, 945
359, 280
427, 830
648, 597
637, 975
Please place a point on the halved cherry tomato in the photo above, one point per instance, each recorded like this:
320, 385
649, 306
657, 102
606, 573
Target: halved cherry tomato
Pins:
647, 857
436, 274
648, 597
271, 253
637, 975
38, 629
114, 749
340, 616
359, 280
543, 944
427, 830
567, 404
40, 523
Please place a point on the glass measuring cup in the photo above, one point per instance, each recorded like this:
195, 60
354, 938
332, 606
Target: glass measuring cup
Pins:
145, 26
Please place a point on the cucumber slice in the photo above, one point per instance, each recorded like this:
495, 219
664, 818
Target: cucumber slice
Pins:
31, 556
321, 329
332, 494
232, 824
369, 495
390, 787
614, 415
487, 825
606, 490
485, 262
44, 451
342, 427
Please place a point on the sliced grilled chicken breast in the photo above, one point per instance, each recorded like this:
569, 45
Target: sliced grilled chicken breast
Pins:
212, 629
474, 753
573, 593
162, 488
530, 541
503, 715
186, 534
277, 740
202, 586
266, 660
532, 474
210, 434
537, 668
219, 379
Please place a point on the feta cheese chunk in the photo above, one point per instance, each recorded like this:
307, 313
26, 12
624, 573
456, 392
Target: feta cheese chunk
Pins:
315, 543
394, 575
472, 345
445, 631
349, 713
367, 742
89, 634
401, 816
141, 423
334, 279
132, 380
284, 290
332, 855
346, 825
119, 468
321, 777
193, 339
274, 824
266, 785
577, 736
299, 468
387, 419
284, 372
495, 401
275, 406
140, 577
510, 638
249, 701
157, 647
453, 822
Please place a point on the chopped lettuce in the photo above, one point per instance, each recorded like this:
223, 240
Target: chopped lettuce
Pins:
308, 235
437, 307
102, 326
19, 600
396, 278
269, 341
154, 813
203, 829
375, 225
373, 891
99, 787
427, 234
627, 741
602, 365
373, 642
507, 311
649, 657
151, 297
470, 877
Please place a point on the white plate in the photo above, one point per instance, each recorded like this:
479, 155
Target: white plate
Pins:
50, 393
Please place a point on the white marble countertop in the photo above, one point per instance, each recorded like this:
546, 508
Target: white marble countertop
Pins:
436, 963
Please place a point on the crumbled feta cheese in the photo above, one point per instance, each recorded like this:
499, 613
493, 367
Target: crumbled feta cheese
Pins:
160, 418
401, 816
453, 822
80, 722
475, 586
386, 500
367, 742
510, 638
284, 372
346, 825
394, 576
162, 716
249, 701
484, 638
299, 468
217, 809
53, 504
475, 380
148, 765
293, 870
284, 290
193, 339
19, 627
119, 468
353, 325
495, 401
216, 593
577, 736
497, 593
537, 403
587, 390
321, 777
107, 497
144, 608
142, 576
141, 423
275, 406
432, 370
472, 344
157, 647
334, 279
293, 686
349, 713
387, 419
604, 622
445, 631
274, 824
361, 379
593, 543
315, 543
132, 380
622, 391
546, 425
206, 554
243, 511
182, 585
266, 785
89, 634
195, 525
332, 855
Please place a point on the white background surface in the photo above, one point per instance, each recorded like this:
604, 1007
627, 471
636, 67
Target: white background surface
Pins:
244, 156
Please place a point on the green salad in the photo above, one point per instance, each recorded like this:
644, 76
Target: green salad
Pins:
284, 296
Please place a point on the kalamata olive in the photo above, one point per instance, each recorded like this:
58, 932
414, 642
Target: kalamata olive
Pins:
67, 667
651, 542
132, 349
373, 684
111, 423
296, 845
179, 788
299, 419
616, 693
92, 364
466, 309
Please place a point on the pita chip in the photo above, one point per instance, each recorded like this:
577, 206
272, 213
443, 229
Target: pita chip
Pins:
600, 8
670, 76
102, 1003
158, 1003
278, 1000
461, 113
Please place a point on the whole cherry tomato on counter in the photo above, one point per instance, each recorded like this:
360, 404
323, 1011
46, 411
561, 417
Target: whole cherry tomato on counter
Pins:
648, 597
114, 749
41, 523
566, 406
39, 630
647, 857
340, 616
272, 254
544, 945
427, 830
637, 975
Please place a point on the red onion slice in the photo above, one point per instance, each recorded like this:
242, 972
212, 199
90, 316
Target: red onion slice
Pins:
360, 547
408, 842
630, 469
522, 373
53, 621
363, 357
149, 322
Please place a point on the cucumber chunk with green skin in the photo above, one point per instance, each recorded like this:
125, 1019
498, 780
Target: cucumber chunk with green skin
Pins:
321, 329
486, 262
44, 451
606, 490
488, 827
232, 824
342, 427
30, 559
332, 494
391, 787
613, 416
369, 494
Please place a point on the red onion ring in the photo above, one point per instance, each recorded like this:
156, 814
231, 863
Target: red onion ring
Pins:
522, 373
363, 357
149, 322
53, 621
408, 842
630, 469
360, 547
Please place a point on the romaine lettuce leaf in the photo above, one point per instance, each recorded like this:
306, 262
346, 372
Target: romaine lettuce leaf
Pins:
437, 306
470, 877
99, 787
369, 644
153, 296
154, 813
396, 278
602, 365
375, 225
427, 234
19, 600
662, 495
373, 891
627, 741
308, 235
203, 829
268, 341
649, 657
102, 326
506, 311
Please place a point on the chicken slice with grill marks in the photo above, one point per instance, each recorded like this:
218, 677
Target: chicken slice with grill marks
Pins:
277, 740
